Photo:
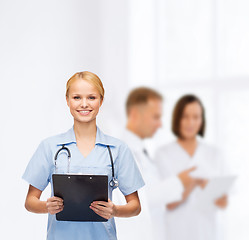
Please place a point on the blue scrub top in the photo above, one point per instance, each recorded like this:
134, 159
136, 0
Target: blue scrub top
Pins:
41, 167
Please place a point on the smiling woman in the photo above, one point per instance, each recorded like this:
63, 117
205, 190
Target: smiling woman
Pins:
89, 149
85, 94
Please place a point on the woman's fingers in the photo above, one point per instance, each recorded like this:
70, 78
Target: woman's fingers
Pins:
103, 206
100, 208
101, 213
54, 210
54, 205
103, 203
222, 202
201, 182
55, 199
104, 209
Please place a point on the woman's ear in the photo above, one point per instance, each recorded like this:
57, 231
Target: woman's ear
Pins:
101, 101
67, 99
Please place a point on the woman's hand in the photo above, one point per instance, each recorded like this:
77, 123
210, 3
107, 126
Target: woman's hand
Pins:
185, 177
54, 205
188, 190
106, 210
221, 202
202, 183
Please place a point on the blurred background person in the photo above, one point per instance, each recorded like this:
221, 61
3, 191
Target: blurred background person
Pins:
144, 111
184, 219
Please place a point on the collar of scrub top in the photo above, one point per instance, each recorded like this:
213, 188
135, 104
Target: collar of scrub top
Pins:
69, 138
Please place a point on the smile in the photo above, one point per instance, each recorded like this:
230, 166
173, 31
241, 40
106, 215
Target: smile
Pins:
84, 112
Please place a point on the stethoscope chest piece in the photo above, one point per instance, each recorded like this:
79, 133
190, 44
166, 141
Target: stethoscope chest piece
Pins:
114, 183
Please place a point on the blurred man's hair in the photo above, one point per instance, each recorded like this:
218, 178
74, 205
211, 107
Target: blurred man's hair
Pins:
140, 96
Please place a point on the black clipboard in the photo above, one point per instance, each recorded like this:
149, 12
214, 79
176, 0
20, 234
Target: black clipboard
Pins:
78, 192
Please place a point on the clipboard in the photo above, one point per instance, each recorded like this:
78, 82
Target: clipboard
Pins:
78, 192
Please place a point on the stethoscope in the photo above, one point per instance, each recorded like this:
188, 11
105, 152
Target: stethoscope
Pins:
113, 183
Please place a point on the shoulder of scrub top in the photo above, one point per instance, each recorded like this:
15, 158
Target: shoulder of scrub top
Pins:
55, 140
116, 144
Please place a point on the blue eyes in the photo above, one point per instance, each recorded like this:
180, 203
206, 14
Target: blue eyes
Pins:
91, 97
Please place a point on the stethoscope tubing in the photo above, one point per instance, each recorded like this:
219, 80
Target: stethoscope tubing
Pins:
113, 182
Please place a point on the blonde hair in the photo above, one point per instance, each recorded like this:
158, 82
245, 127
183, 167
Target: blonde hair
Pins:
89, 77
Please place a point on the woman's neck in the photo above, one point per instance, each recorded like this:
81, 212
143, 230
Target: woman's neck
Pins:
85, 131
189, 145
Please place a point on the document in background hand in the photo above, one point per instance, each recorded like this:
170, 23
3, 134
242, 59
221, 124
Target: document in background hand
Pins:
215, 188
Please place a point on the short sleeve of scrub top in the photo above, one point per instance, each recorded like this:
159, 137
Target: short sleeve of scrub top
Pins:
127, 171
41, 167
38, 170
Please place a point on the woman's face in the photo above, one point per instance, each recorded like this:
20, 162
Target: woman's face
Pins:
191, 121
84, 101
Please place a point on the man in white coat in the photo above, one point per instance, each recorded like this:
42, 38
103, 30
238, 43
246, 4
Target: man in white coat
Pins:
144, 110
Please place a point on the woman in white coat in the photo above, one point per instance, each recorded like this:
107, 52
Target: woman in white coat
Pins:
184, 219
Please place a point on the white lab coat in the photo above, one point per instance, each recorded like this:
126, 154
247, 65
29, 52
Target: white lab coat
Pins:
153, 197
188, 221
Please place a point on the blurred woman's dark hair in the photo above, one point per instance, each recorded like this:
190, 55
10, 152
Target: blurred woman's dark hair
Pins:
178, 112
